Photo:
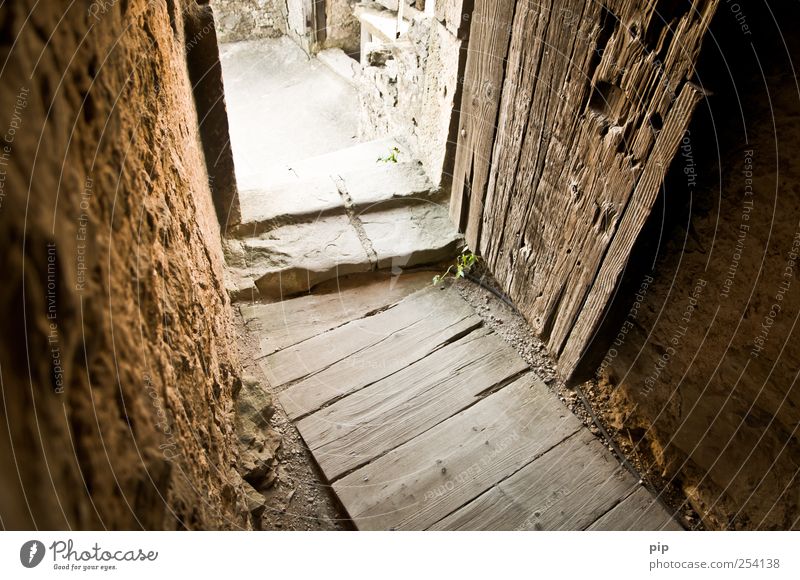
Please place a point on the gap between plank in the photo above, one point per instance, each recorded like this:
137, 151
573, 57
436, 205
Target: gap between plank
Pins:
488, 489
448, 342
478, 398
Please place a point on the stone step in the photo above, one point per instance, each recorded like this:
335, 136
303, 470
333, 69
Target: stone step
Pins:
338, 61
410, 236
359, 155
363, 187
294, 258
367, 188
297, 201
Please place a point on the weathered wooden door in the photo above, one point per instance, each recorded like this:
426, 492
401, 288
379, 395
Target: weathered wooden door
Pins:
556, 173
490, 33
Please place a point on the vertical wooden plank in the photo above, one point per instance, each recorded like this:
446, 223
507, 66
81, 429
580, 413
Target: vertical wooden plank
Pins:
489, 52
631, 224
483, 79
590, 102
522, 68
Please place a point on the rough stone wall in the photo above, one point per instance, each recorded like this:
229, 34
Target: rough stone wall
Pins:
411, 95
450, 13
342, 29
117, 369
249, 19
702, 372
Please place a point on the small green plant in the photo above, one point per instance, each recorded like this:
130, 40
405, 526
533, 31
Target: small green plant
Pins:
464, 263
391, 157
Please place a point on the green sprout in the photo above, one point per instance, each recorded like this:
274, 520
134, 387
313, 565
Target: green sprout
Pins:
391, 157
463, 265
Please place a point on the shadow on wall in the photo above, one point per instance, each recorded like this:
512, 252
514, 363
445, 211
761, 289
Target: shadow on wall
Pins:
116, 362
702, 370
314, 24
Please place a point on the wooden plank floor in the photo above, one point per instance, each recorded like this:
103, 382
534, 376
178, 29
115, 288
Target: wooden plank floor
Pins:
421, 418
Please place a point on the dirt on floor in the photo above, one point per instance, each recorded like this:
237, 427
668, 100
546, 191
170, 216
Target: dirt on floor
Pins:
483, 293
299, 498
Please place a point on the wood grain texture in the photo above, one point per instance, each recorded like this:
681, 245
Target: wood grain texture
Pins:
286, 323
386, 414
640, 511
631, 224
568, 488
422, 481
423, 418
395, 352
595, 99
490, 33
320, 352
